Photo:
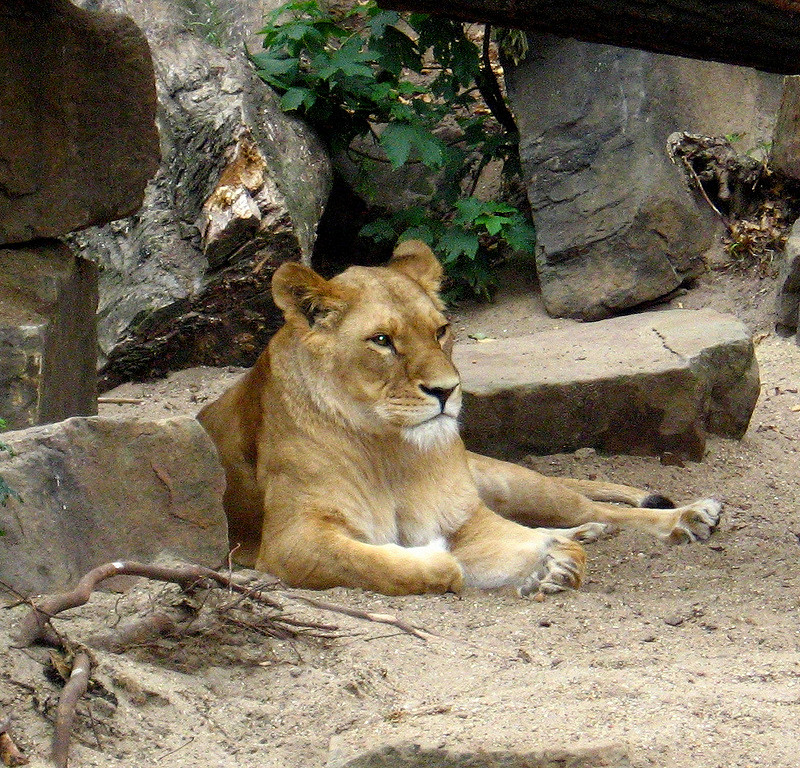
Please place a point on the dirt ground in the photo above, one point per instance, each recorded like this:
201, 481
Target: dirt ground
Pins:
668, 656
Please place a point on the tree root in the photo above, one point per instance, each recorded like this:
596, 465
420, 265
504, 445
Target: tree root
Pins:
74, 688
36, 626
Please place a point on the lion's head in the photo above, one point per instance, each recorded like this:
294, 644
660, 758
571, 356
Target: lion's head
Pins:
371, 347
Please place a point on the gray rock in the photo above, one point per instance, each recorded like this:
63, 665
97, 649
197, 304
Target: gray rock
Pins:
48, 299
186, 281
227, 24
78, 140
617, 223
788, 296
645, 383
96, 490
785, 151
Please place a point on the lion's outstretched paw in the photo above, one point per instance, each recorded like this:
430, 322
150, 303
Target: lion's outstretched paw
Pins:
562, 567
697, 521
586, 533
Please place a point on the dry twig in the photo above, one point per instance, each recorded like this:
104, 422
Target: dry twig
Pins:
36, 626
380, 618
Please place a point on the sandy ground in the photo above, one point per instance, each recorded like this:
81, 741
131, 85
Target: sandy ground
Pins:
668, 656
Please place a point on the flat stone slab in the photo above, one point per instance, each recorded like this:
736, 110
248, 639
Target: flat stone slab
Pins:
648, 383
93, 490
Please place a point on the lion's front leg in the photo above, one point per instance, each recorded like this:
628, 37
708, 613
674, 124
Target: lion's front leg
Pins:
495, 552
316, 555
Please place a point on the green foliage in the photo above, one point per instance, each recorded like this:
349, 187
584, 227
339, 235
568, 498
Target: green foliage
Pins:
465, 238
410, 76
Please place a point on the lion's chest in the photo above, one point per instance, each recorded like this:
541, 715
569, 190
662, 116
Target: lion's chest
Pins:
413, 508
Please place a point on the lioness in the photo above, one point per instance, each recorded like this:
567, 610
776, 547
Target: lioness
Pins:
345, 468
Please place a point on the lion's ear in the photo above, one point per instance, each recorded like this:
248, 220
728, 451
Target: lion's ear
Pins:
416, 260
299, 291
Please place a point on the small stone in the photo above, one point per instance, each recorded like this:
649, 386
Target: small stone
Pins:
671, 459
674, 620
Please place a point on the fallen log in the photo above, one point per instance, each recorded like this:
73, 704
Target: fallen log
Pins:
752, 33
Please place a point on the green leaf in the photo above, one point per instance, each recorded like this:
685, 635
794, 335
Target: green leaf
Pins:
379, 230
467, 210
294, 98
395, 51
458, 242
396, 141
492, 224
521, 236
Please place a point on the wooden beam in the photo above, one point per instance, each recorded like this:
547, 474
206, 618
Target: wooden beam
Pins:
764, 34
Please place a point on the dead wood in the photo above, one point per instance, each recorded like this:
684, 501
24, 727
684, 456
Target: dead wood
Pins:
37, 626
74, 688
751, 33
380, 618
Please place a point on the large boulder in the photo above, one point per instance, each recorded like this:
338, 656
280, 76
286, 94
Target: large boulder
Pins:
785, 151
649, 383
241, 188
617, 222
788, 297
78, 140
228, 24
91, 490
48, 299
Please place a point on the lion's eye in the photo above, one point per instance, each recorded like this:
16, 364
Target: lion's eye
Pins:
442, 332
382, 340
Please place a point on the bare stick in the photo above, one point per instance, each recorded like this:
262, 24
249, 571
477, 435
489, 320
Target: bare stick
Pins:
380, 618
120, 400
68, 701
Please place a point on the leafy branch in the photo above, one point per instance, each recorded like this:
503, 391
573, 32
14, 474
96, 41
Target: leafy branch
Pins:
409, 83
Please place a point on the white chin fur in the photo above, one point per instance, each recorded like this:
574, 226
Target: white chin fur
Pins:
432, 434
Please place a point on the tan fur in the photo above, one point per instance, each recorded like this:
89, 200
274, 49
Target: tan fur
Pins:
344, 466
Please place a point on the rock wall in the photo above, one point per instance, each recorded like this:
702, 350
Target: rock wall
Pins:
48, 300
78, 143
617, 224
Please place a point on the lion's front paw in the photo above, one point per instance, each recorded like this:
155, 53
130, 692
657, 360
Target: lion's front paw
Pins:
562, 567
697, 521
443, 574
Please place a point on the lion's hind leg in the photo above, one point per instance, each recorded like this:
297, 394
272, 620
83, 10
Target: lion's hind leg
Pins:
691, 522
615, 493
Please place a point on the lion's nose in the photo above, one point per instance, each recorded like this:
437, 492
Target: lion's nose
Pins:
440, 393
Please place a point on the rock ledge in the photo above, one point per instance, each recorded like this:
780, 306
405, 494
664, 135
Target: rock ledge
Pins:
649, 383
